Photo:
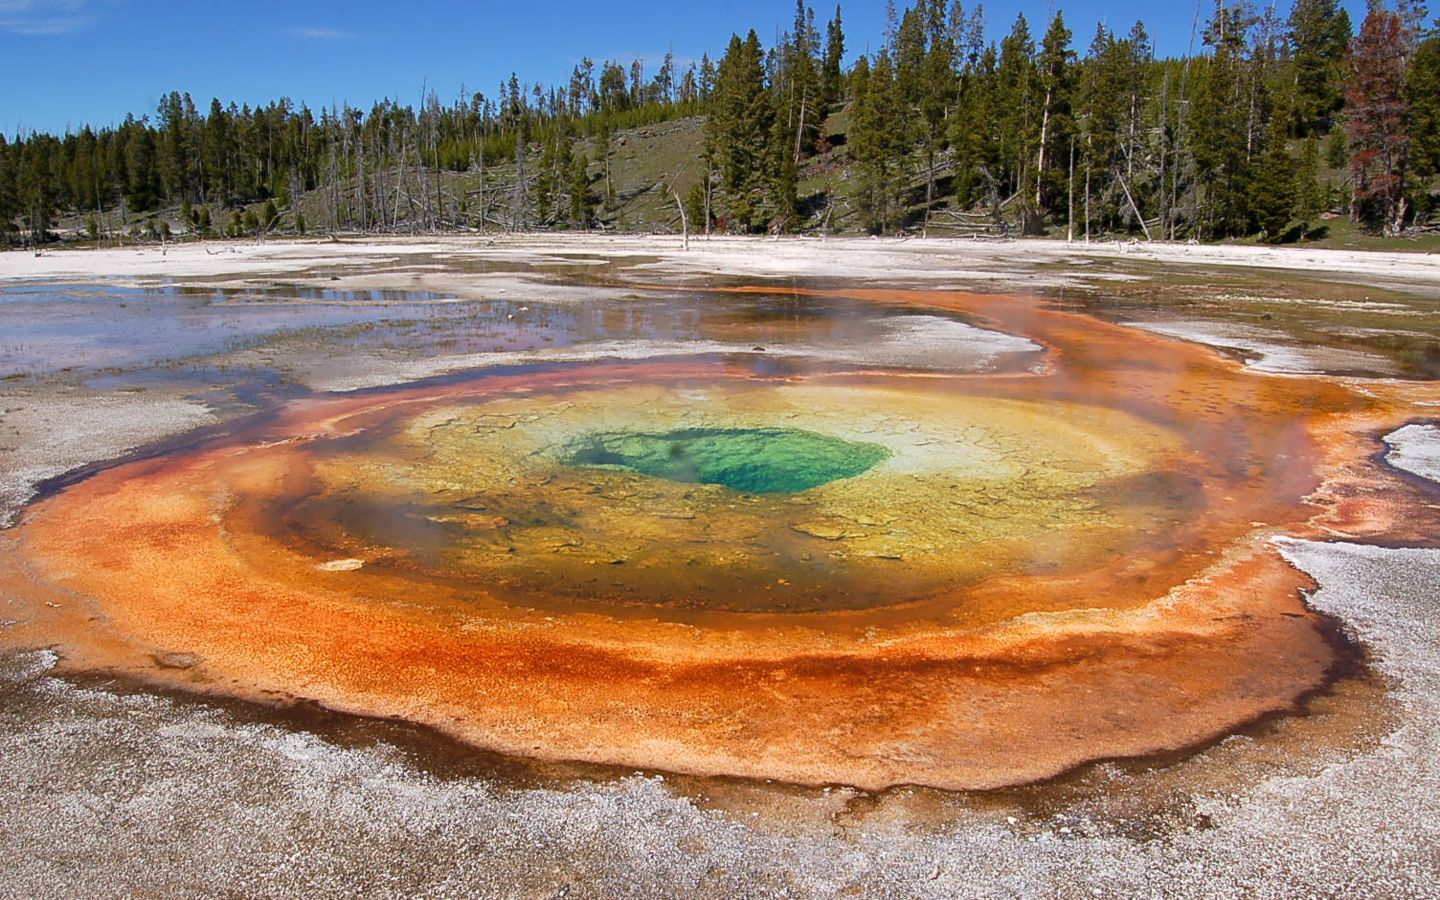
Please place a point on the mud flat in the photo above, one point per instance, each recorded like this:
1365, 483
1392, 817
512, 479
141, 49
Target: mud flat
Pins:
123, 755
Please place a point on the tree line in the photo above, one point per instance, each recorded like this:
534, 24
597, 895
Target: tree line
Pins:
938, 127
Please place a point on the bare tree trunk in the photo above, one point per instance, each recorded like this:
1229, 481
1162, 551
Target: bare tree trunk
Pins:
684, 220
426, 211
518, 198
609, 189
1181, 106
334, 192
435, 155
1164, 117
929, 186
1070, 212
1040, 156
1250, 120
1133, 208
800, 129
709, 187
829, 211
1130, 143
402, 183
483, 207
361, 186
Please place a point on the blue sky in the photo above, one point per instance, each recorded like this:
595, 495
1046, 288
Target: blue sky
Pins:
69, 62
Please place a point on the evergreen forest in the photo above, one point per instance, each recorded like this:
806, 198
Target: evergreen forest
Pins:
1268, 126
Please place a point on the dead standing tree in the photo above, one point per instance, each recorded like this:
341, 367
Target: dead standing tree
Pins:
684, 219
520, 196
1377, 108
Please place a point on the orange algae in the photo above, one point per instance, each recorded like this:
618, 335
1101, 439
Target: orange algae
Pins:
1127, 628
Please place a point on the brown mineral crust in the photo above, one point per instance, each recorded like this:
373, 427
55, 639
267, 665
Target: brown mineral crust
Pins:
1018, 679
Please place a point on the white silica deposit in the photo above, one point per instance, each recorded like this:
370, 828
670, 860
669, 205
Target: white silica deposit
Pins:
1416, 449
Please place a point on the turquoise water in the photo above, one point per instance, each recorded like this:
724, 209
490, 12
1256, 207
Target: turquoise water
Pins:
750, 460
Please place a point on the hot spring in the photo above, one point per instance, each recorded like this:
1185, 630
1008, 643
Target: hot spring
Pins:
847, 555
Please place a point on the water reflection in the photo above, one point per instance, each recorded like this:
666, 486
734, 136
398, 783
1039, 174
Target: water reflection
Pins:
52, 328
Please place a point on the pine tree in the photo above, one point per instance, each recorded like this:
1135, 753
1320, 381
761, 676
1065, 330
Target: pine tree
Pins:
1337, 149
85, 176
637, 81
1220, 137
707, 77
9, 202
1422, 93
36, 183
1056, 77
785, 144
664, 84
740, 126
173, 150
695, 207
613, 95
689, 87
909, 62
1018, 123
1274, 188
217, 153
973, 134
783, 198
722, 124
831, 67
792, 122
1309, 193
877, 146
937, 93
1319, 36
797, 90
141, 179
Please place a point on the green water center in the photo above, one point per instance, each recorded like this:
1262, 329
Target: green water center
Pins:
750, 460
